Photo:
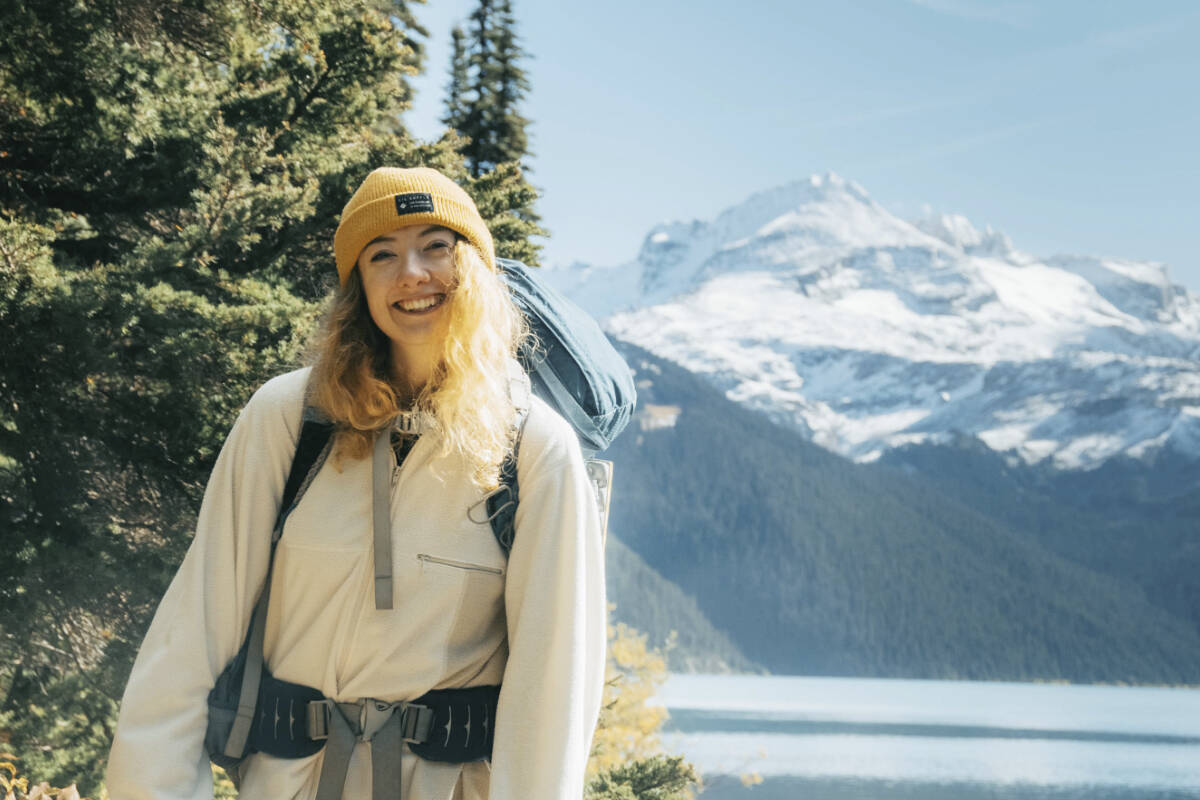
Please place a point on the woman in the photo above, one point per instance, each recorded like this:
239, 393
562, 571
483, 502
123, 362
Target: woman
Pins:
421, 324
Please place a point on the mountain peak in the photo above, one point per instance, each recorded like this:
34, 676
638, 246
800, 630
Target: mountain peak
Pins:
676, 255
817, 189
831, 182
958, 232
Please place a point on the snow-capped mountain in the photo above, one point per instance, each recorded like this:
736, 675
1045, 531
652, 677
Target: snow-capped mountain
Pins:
814, 304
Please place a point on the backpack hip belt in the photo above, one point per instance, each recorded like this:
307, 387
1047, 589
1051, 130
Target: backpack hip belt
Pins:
448, 725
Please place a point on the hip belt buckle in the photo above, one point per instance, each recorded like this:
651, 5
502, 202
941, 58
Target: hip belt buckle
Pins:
373, 715
368, 717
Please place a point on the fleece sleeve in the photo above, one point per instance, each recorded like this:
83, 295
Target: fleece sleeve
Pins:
158, 749
555, 606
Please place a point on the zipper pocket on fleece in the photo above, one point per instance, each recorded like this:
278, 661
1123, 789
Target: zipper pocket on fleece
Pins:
428, 559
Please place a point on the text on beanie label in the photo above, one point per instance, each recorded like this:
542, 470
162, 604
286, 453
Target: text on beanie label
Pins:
414, 203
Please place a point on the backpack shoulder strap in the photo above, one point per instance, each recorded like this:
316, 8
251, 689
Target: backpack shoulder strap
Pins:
502, 503
316, 435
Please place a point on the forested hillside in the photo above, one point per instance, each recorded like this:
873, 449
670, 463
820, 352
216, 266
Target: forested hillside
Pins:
1133, 520
669, 616
814, 565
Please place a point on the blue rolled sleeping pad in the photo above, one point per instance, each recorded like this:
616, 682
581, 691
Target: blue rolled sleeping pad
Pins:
571, 364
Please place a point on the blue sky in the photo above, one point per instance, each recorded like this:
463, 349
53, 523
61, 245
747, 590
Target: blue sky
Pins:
1071, 126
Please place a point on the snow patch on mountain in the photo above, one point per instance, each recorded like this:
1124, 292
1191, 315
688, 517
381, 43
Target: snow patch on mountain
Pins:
815, 305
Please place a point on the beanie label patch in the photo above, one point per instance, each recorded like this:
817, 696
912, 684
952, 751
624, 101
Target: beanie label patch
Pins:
414, 203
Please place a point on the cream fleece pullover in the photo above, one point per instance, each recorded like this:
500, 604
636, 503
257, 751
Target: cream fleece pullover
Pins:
463, 616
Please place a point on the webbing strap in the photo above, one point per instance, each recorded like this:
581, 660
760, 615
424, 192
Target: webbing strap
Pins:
386, 726
337, 757
239, 733
386, 749
381, 492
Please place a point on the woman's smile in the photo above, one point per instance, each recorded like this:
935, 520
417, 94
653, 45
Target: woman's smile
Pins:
420, 305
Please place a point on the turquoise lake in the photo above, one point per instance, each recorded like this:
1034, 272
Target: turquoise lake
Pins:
861, 739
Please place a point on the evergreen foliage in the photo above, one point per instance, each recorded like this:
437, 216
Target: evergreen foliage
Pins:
657, 778
485, 89
486, 86
814, 565
505, 200
460, 75
510, 142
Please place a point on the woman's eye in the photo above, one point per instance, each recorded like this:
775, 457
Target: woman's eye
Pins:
437, 244
380, 255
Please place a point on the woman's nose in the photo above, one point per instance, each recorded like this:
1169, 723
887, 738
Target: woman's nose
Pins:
411, 270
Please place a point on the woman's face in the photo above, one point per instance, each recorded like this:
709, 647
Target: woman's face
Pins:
408, 275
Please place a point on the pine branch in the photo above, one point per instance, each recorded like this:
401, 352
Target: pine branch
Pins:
305, 101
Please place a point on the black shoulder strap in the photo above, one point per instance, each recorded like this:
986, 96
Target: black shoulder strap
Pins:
316, 432
502, 503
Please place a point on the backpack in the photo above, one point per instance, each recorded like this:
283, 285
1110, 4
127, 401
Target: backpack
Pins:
571, 365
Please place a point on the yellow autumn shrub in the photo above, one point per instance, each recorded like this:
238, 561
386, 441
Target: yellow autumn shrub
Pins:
629, 726
18, 787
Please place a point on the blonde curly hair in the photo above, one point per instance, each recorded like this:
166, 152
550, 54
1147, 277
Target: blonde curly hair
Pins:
468, 392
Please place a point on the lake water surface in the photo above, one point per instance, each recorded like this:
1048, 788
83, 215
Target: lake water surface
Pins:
860, 739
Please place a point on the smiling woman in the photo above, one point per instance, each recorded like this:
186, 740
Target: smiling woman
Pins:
408, 237
376, 638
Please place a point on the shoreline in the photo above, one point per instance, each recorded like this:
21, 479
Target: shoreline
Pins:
730, 787
1015, 681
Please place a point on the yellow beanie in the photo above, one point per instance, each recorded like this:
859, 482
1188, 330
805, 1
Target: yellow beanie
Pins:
391, 197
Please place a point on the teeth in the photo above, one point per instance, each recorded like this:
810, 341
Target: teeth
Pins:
418, 305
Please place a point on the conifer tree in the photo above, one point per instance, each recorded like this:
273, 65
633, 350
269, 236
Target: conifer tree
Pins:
485, 89
457, 87
487, 84
509, 126
491, 79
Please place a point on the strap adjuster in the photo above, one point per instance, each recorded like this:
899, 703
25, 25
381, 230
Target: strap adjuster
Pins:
318, 719
417, 721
